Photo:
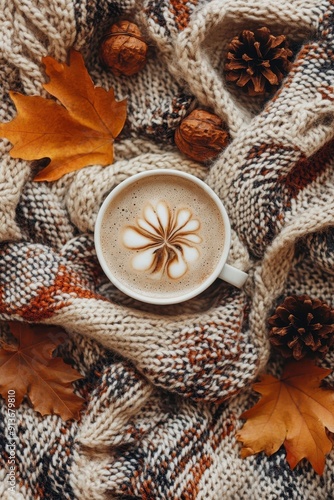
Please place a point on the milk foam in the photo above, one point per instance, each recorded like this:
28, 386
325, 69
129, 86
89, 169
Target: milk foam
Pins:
166, 239
135, 241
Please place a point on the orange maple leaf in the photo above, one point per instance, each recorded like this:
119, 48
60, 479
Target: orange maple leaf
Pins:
29, 368
293, 411
77, 134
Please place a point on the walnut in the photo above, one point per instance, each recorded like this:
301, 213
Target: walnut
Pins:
123, 50
201, 135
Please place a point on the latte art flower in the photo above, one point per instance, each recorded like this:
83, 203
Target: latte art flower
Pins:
166, 240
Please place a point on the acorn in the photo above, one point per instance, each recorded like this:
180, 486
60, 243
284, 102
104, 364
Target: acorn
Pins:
123, 49
201, 136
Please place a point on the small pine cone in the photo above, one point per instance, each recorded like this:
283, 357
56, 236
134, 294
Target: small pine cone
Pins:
201, 135
257, 61
123, 49
301, 327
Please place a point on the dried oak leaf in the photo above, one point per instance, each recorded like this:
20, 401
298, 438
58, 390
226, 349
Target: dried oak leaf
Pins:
78, 132
29, 368
293, 411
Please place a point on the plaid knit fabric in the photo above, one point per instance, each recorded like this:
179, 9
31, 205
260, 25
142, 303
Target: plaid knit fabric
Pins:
165, 385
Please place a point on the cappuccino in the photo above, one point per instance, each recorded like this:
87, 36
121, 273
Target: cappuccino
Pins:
162, 236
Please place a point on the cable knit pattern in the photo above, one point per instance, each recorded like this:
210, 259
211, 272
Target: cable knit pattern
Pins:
164, 386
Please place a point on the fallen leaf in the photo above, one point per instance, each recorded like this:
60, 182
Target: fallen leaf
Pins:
78, 132
293, 411
28, 368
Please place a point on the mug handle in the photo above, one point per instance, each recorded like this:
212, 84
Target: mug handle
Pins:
233, 276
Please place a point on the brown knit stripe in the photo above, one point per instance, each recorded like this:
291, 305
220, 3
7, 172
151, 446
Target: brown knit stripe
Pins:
307, 170
181, 11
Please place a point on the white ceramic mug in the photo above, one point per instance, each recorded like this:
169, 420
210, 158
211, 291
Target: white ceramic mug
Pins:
128, 218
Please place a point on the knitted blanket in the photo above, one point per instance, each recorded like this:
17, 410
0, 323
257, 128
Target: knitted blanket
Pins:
165, 386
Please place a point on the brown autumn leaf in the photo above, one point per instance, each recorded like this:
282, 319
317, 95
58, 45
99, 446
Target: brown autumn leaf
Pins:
28, 368
78, 132
293, 411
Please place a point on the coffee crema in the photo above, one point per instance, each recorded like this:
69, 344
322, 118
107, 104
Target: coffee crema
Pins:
162, 236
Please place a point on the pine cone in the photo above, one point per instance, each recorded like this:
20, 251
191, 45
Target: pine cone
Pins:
257, 61
302, 326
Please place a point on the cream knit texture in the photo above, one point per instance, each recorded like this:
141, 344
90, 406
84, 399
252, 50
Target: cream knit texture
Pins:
165, 385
